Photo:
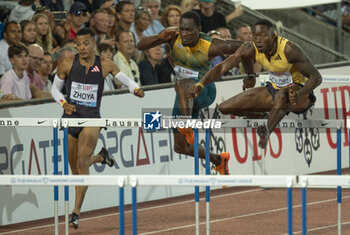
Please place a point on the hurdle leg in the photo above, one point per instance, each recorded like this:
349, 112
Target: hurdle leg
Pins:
304, 210
339, 194
290, 210
262, 161
134, 211
66, 189
55, 172
207, 188
196, 172
121, 211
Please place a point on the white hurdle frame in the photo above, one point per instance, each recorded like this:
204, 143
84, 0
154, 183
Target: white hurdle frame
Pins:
322, 181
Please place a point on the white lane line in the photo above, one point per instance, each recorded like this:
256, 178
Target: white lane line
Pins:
321, 228
238, 217
129, 211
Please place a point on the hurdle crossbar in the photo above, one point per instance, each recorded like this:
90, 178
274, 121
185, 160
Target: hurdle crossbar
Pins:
321, 181
213, 180
63, 180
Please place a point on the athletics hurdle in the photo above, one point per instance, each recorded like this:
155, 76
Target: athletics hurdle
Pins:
43, 122
255, 123
66, 180
216, 180
322, 181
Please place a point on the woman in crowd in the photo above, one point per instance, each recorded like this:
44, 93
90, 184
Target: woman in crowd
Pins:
113, 25
43, 32
59, 34
150, 68
141, 23
106, 51
171, 16
28, 32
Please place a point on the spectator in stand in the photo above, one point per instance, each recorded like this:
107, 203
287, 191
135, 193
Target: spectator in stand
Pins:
36, 56
171, 16
106, 52
211, 19
43, 32
28, 32
23, 11
4, 13
54, 5
113, 24
142, 21
93, 5
12, 34
165, 71
46, 11
224, 33
45, 70
189, 5
77, 18
125, 15
244, 33
148, 65
126, 47
99, 22
59, 34
16, 81
156, 26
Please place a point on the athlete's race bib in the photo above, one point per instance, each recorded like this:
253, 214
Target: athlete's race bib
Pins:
281, 79
84, 94
182, 73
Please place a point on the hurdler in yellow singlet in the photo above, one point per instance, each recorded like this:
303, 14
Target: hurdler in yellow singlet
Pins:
281, 72
193, 63
193, 59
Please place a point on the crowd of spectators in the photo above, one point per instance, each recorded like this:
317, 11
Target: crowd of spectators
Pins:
37, 34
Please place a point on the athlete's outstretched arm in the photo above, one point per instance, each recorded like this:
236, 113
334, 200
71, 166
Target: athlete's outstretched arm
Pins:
112, 68
244, 52
223, 47
167, 35
63, 69
296, 56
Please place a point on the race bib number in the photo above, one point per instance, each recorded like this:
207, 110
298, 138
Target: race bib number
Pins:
84, 94
281, 79
182, 73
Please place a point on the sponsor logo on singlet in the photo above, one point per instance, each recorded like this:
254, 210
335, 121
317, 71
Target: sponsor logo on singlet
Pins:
281, 79
84, 94
182, 73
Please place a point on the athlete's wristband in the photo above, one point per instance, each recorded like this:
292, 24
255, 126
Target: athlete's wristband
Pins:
63, 102
200, 84
252, 75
